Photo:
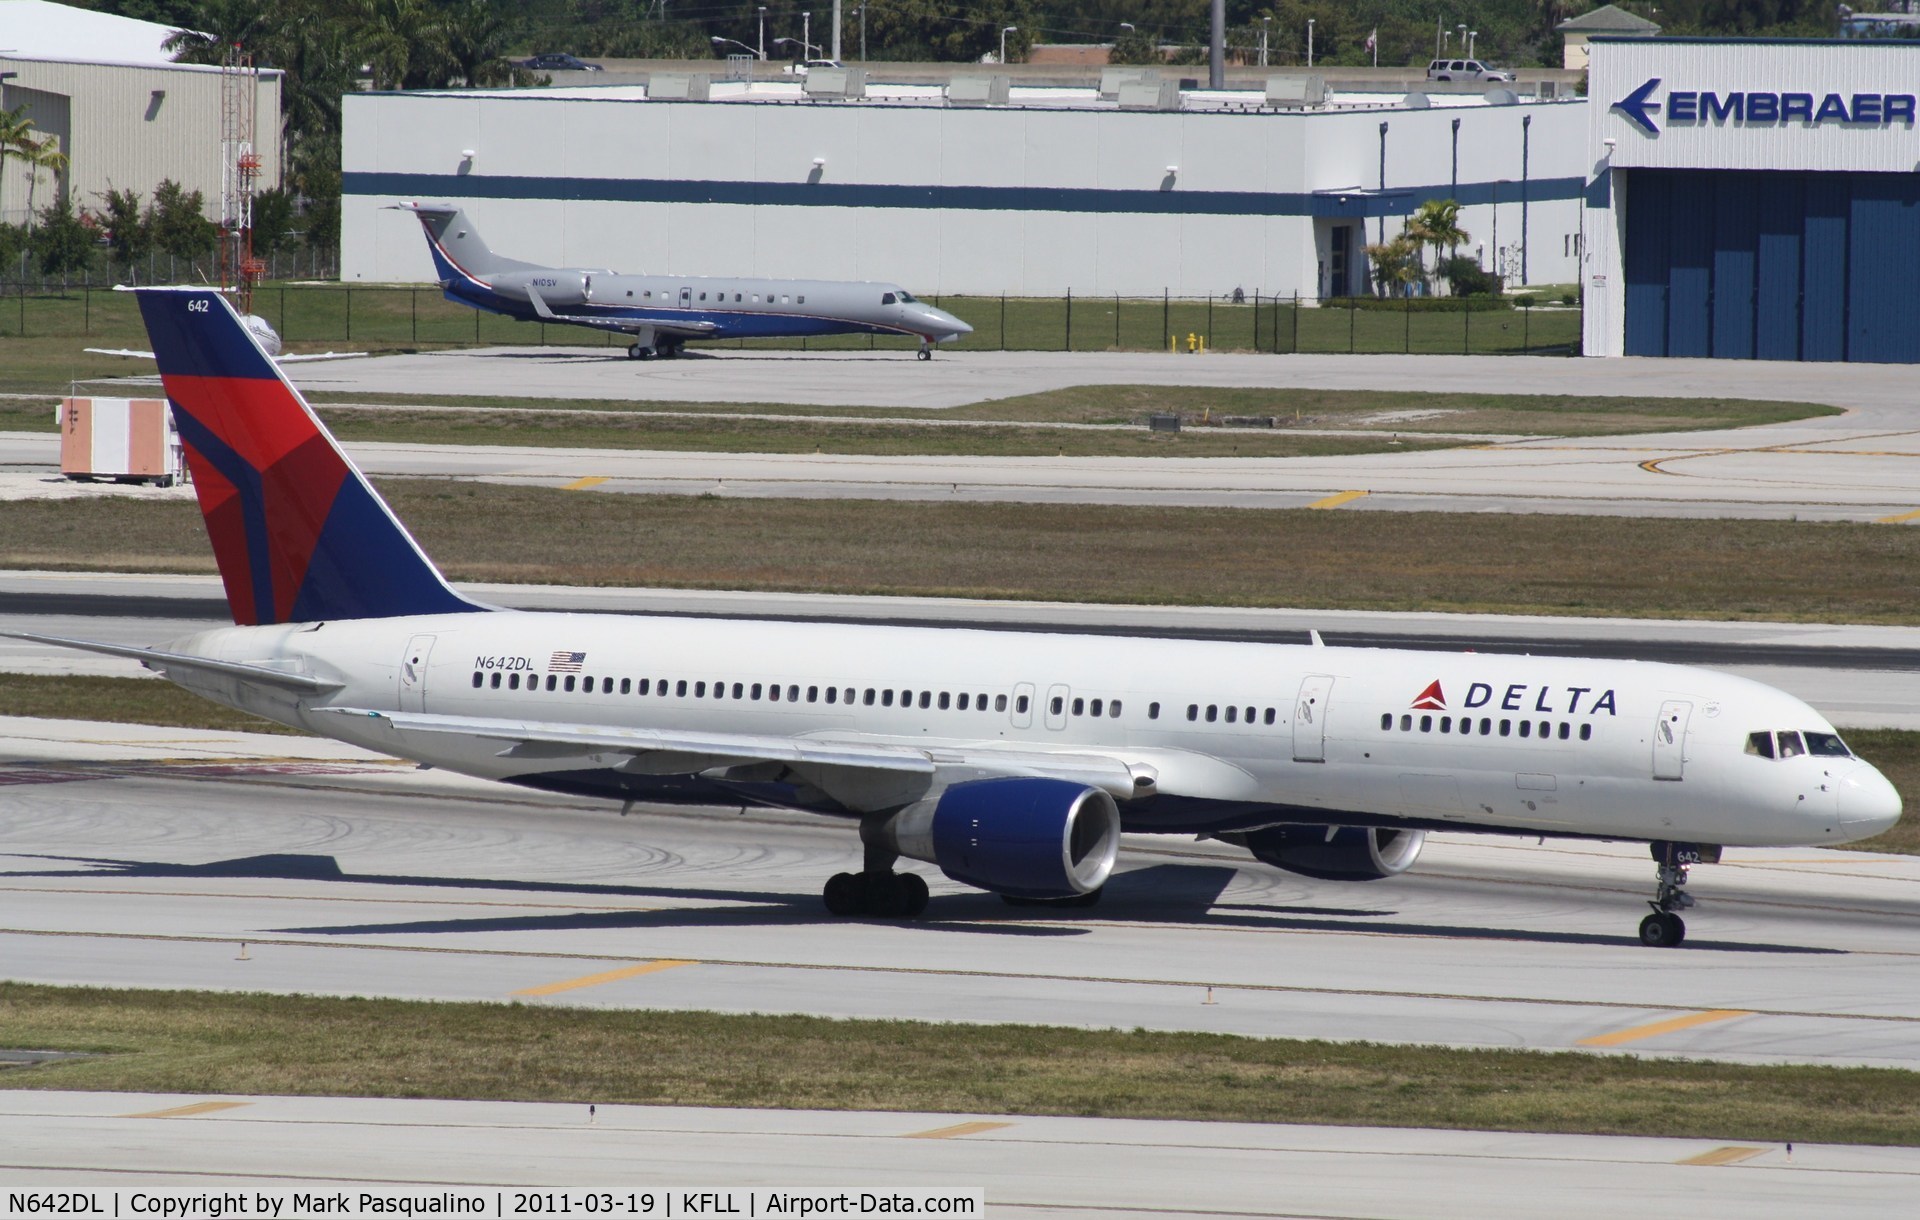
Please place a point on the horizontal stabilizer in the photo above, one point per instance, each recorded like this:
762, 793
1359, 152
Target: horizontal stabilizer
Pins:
161, 661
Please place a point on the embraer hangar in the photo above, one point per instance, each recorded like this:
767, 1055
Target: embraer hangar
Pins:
974, 188
1753, 200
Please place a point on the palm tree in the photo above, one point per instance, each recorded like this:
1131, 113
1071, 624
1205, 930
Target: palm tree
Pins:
39, 155
16, 138
1436, 223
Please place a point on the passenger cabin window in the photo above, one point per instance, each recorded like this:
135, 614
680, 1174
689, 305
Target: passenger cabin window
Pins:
1020, 705
1153, 711
803, 298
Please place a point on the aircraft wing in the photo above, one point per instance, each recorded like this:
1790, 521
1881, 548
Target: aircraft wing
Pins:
161, 662
139, 355
684, 330
858, 772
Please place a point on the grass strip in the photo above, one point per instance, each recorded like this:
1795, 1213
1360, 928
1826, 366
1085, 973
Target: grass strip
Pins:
201, 1043
155, 702
1459, 562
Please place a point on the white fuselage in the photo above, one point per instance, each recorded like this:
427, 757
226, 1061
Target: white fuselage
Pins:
1235, 735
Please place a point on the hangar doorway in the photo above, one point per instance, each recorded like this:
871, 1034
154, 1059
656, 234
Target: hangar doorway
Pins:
1771, 265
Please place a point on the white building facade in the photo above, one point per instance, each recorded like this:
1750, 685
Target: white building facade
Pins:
1046, 195
1754, 199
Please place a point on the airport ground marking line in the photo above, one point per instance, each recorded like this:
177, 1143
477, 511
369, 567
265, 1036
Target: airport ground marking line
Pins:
192, 1111
398, 902
1669, 1026
1337, 499
958, 1129
592, 480
1900, 518
610, 976
1732, 1154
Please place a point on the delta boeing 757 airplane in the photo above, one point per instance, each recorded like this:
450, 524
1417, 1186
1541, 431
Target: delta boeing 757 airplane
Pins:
1011, 761
663, 312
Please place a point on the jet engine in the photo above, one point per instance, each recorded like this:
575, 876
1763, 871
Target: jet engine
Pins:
556, 287
263, 332
1027, 837
1334, 853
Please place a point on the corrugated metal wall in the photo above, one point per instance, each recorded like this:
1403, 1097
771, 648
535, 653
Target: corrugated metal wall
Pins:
1774, 266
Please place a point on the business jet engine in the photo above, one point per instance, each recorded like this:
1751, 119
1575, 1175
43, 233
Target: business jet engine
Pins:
1024, 837
1334, 853
556, 287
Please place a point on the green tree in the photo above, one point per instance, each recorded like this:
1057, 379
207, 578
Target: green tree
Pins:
272, 219
16, 136
1436, 226
42, 155
65, 241
178, 221
1396, 263
128, 233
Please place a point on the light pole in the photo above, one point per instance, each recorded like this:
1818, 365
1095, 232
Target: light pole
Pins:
763, 33
1265, 22
806, 48
719, 42
1004, 31
1472, 36
1462, 27
1309, 42
862, 10
806, 36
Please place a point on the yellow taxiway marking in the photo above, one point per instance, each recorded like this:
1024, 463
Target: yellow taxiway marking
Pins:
1665, 1027
947, 1133
1337, 499
592, 480
197, 1108
1732, 1154
1897, 519
610, 976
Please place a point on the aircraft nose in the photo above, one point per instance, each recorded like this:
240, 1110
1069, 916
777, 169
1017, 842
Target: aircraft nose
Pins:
1867, 802
948, 322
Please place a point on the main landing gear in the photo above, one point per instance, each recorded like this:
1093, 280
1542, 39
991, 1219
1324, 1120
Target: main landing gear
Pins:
876, 889
647, 351
1664, 928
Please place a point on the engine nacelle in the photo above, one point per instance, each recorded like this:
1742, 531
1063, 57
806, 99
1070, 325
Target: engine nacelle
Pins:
1348, 853
556, 287
263, 332
1025, 836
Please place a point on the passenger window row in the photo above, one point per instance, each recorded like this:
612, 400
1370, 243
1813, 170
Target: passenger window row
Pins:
647, 294
1232, 714
1488, 727
771, 692
1093, 707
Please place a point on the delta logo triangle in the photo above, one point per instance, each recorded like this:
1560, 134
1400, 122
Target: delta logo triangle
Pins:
1432, 698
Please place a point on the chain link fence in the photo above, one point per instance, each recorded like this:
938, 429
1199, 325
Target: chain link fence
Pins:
404, 317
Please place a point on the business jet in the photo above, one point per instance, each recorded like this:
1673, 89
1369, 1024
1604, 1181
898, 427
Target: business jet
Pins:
664, 312
1010, 761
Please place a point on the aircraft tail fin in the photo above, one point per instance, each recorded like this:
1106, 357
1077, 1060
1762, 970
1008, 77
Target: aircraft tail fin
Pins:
459, 253
298, 532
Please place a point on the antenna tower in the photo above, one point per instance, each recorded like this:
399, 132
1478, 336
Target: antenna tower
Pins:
239, 176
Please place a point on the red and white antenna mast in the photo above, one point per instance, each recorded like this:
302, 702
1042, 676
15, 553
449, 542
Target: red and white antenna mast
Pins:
239, 176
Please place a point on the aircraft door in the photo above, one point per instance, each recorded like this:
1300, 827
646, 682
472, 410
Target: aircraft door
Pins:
1057, 706
413, 674
1023, 705
1670, 740
1310, 718
686, 298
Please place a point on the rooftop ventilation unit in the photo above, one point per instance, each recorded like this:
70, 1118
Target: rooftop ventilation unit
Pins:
828, 84
1150, 95
1111, 80
1296, 92
678, 88
977, 91
1502, 97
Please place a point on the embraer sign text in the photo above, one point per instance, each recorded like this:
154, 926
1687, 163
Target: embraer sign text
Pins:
1762, 108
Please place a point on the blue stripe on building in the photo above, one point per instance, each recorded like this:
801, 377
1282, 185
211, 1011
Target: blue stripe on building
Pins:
1772, 265
1393, 201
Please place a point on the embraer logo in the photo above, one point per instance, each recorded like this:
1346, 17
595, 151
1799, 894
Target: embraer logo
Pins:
1763, 108
1432, 698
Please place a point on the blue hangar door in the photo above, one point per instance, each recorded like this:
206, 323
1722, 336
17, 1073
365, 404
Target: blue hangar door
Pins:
1772, 266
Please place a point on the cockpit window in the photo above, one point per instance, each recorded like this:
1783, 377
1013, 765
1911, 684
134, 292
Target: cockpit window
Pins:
907, 297
887, 298
1827, 745
1790, 746
1760, 744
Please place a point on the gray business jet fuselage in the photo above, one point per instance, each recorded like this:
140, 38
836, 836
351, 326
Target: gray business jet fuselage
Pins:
663, 312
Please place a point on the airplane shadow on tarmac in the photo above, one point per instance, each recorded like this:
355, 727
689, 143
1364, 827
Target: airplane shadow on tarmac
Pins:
1156, 894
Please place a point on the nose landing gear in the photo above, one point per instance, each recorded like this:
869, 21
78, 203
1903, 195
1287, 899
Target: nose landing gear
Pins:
1664, 928
926, 348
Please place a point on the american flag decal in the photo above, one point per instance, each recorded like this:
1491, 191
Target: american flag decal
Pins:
564, 662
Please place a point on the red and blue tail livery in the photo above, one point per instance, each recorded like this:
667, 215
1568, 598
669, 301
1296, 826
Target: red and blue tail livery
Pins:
298, 533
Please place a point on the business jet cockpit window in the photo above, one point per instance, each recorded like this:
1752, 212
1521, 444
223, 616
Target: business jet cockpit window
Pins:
887, 298
906, 296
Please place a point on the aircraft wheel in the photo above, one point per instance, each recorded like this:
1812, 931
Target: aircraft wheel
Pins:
844, 894
1662, 930
639, 352
912, 888
926, 353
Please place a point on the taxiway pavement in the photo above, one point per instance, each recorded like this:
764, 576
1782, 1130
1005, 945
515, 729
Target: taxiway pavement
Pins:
1026, 1166
149, 857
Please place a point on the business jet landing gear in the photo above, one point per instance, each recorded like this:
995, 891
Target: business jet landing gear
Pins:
1664, 928
639, 352
876, 889
644, 345
926, 349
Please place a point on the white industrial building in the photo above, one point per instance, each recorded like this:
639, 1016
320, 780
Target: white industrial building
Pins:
1027, 191
1753, 199
125, 115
